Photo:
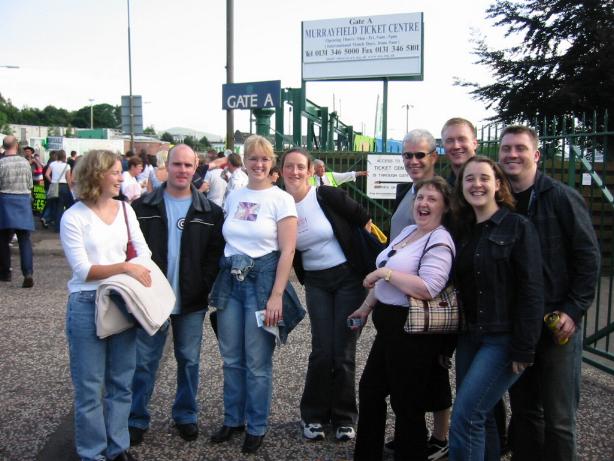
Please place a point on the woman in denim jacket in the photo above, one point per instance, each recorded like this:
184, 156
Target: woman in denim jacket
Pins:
260, 234
498, 273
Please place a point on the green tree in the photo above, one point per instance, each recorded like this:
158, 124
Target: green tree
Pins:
563, 62
191, 141
167, 137
204, 143
150, 130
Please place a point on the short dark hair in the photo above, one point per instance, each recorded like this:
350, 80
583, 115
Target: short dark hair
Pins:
235, 160
73, 153
521, 129
134, 161
30, 148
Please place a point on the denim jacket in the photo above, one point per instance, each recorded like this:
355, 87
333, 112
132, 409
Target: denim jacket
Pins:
260, 271
507, 270
570, 250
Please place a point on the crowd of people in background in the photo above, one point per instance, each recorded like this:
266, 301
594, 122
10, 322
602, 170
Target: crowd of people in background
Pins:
516, 244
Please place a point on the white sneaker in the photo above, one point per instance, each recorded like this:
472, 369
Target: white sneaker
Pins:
312, 431
345, 433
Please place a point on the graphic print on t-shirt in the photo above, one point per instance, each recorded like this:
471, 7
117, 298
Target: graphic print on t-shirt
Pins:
247, 211
180, 223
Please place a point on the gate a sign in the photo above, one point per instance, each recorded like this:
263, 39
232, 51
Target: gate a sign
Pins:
253, 95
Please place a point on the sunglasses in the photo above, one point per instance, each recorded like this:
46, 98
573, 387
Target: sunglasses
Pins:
390, 254
418, 155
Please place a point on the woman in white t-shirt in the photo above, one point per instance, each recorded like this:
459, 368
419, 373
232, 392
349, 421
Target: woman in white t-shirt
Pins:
260, 233
59, 173
94, 235
328, 262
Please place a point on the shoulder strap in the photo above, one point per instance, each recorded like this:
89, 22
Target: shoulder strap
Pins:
126, 220
428, 248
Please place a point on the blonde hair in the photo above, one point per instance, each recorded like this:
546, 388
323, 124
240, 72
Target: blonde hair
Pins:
257, 141
89, 172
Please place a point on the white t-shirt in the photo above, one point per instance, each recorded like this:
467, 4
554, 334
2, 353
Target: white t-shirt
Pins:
315, 239
217, 186
57, 171
87, 240
250, 227
238, 180
130, 187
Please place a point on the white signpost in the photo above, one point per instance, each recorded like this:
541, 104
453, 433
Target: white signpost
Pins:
385, 172
382, 46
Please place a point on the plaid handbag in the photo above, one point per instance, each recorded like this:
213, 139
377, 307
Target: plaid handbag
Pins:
438, 315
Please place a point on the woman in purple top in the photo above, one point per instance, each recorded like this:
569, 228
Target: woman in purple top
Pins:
416, 263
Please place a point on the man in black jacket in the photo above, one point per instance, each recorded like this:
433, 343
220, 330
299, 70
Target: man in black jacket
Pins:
545, 398
184, 232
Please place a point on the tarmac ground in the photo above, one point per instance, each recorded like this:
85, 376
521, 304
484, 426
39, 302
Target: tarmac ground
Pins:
36, 393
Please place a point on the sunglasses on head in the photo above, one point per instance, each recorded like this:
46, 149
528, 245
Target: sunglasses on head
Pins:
390, 254
418, 155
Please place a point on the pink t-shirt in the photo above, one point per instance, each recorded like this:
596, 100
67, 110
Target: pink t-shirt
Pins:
434, 269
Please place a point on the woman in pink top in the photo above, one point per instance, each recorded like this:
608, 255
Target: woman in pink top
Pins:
416, 263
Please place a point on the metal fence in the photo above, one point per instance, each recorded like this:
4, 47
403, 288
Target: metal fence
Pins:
576, 151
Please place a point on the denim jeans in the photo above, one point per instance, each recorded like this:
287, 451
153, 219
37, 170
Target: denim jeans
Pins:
101, 371
63, 202
247, 352
399, 365
545, 400
330, 395
483, 374
187, 340
25, 251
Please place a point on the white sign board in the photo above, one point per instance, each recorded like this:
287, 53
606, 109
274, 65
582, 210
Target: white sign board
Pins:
363, 47
385, 172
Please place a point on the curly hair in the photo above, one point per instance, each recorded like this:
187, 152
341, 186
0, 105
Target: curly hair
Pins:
90, 171
463, 212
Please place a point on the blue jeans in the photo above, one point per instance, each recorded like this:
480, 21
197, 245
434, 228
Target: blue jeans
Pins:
483, 374
101, 371
247, 352
25, 251
545, 400
187, 339
63, 202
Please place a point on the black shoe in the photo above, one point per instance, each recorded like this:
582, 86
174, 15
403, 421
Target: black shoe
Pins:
188, 432
251, 443
224, 433
28, 282
136, 435
125, 456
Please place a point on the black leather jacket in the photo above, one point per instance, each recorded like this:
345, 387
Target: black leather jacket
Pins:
570, 250
202, 243
510, 284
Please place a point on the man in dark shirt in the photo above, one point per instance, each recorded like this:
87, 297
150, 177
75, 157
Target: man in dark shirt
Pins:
545, 398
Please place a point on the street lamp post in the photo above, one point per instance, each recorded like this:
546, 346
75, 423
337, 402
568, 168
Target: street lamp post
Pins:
130, 83
407, 107
91, 113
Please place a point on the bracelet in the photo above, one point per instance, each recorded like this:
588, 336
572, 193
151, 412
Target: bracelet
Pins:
388, 275
367, 306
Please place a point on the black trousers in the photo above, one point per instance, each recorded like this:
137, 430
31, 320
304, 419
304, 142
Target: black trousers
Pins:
399, 365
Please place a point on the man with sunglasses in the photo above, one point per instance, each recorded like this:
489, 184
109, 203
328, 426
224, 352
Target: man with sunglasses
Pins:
419, 158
